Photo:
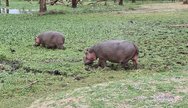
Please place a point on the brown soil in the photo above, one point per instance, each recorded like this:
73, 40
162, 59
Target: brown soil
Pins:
160, 7
166, 97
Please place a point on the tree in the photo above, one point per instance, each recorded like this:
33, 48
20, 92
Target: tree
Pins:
74, 3
43, 7
185, 1
120, 2
133, 1
7, 3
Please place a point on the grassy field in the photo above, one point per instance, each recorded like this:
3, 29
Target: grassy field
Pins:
28, 80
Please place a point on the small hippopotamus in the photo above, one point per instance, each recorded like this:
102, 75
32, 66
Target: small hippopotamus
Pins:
116, 51
50, 39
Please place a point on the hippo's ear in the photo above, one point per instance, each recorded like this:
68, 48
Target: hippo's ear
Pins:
87, 50
91, 50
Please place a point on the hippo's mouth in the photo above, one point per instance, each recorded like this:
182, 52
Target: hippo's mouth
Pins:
88, 63
36, 45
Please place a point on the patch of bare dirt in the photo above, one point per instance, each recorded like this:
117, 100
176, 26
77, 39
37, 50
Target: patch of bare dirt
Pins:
69, 100
123, 105
166, 6
160, 7
10, 65
182, 89
140, 98
166, 97
42, 104
65, 103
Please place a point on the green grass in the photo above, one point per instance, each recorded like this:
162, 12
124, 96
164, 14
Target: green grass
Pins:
86, 7
163, 60
135, 90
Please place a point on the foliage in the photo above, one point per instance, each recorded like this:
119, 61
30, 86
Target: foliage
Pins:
161, 47
66, 7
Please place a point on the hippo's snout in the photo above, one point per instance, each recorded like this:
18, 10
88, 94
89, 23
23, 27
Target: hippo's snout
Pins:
87, 62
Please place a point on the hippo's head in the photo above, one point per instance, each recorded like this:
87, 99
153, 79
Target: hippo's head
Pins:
37, 41
90, 56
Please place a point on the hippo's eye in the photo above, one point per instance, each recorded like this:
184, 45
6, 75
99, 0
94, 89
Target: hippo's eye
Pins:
86, 52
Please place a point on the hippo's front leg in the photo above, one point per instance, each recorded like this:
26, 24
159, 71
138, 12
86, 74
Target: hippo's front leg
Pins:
61, 47
43, 45
125, 65
102, 63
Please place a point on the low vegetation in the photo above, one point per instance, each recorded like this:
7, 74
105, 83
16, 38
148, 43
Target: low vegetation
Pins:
32, 76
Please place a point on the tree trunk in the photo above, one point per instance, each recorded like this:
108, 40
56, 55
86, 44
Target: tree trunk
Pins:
185, 1
74, 3
43, 8
7, 3
133, 1
7, 10
120, 2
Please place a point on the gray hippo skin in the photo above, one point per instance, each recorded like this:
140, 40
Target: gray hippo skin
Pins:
116, 51
50, 39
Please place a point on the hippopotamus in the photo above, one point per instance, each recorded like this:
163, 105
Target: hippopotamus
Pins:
50, 39
116, 51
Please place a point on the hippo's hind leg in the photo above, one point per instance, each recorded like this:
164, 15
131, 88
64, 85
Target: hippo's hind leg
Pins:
102, 62
135, 61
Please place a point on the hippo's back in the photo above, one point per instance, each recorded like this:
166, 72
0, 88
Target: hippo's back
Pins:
51, 37
115, 45
50, 34
115, 50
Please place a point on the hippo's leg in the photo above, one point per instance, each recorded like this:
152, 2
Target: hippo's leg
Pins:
102, 63
43, 45
47, 46
125, 65
135, 61
50, 46
60, 47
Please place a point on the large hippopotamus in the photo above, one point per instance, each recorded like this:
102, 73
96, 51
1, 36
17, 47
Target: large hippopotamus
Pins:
50, 39
116, 51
